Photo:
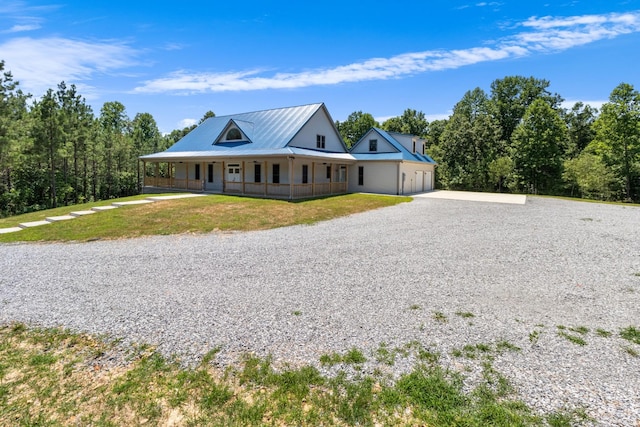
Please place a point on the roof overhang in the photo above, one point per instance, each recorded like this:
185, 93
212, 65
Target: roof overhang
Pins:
185, 156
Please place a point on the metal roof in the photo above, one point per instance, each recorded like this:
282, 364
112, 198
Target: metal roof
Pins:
267, 129
402, 153
235, 152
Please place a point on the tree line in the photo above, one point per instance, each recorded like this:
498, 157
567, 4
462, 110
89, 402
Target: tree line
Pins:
55, 151
518, 138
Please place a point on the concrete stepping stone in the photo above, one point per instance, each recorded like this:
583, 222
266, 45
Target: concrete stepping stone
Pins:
60, 218
10, 230
33, 224
103, 208
82, 213
132, 202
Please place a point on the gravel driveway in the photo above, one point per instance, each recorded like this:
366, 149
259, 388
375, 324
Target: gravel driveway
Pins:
300, 292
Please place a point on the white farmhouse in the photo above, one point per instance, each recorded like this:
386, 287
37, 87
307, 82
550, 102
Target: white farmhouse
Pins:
288, 153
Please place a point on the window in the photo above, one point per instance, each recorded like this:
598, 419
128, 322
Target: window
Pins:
257, 173
305, 174
210, 173
233, 134
329, 172
360, 175
414, 145
320, 141
276, 174
373, 145
197, 171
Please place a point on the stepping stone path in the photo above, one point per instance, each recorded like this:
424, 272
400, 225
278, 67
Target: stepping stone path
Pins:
95, 209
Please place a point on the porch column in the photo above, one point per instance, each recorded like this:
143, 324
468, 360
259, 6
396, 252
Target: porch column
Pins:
224, 181
170, 166
290, 178
186, 173
242, 175
266, 178
156, 173
313, 178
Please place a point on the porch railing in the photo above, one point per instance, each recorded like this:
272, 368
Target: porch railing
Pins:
253, 188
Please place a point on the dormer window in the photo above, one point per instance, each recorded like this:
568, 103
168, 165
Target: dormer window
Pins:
320, 141
233, 134
373, 145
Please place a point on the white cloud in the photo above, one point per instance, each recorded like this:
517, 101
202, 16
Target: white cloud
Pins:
539, 35
568, 104
40, 64
22, 28
187, 122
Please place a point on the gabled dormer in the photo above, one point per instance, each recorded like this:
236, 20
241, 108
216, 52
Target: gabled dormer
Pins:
235, 132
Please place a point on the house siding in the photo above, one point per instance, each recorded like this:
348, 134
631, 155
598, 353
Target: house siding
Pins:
363, 146
318, 124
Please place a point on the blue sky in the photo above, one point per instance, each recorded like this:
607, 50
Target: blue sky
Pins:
177, 60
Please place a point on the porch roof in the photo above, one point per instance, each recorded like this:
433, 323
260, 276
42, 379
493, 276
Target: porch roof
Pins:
235, 152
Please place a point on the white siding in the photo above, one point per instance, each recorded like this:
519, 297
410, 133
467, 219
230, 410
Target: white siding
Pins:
387, 177
407, 142
319, 124
379, 177
383, 145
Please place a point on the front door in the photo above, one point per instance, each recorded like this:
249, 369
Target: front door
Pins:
233, 173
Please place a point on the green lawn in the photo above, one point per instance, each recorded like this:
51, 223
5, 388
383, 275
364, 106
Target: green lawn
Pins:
191, 215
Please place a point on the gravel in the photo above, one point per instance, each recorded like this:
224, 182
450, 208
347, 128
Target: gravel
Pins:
378, 277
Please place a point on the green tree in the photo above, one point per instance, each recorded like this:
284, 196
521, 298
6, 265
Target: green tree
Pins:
114, 125
356, 125
512, 96
13, 132
580, 128
411, 122
207, 115
48, 137
470, 142
538, 147
588, 174
618, 136
76, 121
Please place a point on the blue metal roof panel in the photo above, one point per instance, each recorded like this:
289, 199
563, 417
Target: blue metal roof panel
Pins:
267, 129
406, 154
241, 152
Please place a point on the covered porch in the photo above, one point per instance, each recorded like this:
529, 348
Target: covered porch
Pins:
290, 177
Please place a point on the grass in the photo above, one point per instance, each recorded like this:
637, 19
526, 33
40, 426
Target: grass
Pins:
631, 333
54, 377
192, 215
440, 317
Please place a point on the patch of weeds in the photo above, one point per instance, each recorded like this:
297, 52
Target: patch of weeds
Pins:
384, 355
572, 338
297, 313
568, 418
603, 333
586, 219
561, 327
465, 314
630, 351
637, 274
428, 356
210, 355
580, 329
351, 357
440, 317
504, 345
631, 334
354, 356
414, 307
534, 336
